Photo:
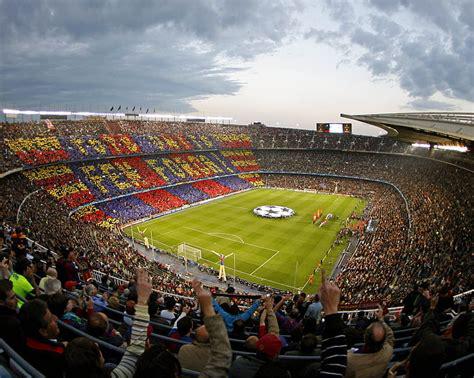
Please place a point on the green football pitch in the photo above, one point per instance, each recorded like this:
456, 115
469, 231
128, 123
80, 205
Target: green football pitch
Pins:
281, 253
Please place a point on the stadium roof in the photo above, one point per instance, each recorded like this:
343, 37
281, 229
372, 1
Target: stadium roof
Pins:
438, 127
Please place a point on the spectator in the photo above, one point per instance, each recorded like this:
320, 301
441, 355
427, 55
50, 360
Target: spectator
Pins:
425, 359
251, 344
307, 347
50, 273
230, 319
114, 309
6, 265
10, 331
334, 347
41, 330
461, 340
23, 272
314, 309
155, 359
181, 330
301, 304
52, 286
83, 355
221, 355
409, 301
100, 302
98, 326
268, 348
72, 313
168, 313
238, 331
195, 356
361, 321
372, 359
125, 328
67, 266
153, 304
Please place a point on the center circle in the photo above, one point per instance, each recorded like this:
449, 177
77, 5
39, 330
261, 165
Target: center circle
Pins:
272, 211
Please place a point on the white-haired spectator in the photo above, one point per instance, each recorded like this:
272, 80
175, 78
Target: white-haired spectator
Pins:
50, 273
52, 286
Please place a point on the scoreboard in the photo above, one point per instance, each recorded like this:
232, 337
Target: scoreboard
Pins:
337, 128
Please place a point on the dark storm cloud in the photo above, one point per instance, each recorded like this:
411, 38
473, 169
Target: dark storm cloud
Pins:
428, 47
156, 53
426, 104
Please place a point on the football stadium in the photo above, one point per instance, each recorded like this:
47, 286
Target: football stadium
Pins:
261, 249
227, 227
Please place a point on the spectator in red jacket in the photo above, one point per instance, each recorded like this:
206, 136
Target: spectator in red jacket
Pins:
67, 266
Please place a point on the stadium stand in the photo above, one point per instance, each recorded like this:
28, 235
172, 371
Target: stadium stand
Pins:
105, 316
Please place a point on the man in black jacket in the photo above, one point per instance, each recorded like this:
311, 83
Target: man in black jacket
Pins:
10, 331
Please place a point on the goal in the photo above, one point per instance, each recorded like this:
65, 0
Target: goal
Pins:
188, 252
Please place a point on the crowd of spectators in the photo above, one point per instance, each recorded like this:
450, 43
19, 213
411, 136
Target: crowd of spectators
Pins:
80, 184
33, 144
128, 330
36, 143
440, 211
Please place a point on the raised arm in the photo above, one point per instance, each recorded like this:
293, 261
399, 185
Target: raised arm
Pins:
281, 302
184, 312
389, 337
262, 327
221, 353
126, 367
247, 314
334, 345
228, 318
271, 318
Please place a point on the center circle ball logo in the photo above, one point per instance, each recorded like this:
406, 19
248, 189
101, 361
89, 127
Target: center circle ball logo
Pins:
272, 211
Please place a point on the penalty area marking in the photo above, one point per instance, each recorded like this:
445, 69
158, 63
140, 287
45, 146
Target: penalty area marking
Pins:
216, 234
257, 277
271, 257
220, 233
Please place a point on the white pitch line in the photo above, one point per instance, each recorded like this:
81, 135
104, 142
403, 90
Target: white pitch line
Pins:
221, 233
258, 246
257, 277
317, 270
271, 257
217, 236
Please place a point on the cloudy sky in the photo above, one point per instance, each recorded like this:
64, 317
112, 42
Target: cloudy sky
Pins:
282, 62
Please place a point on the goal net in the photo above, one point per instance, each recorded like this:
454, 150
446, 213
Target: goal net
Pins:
188, 252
